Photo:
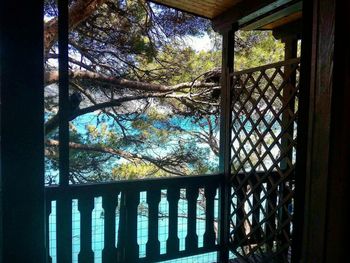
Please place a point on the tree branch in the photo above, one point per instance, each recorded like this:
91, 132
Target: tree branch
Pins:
161, 164
116, 82
78, 12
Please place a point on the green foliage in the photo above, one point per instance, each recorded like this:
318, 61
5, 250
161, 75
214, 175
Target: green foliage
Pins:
183, 64
178, 64
136, 170
260, 48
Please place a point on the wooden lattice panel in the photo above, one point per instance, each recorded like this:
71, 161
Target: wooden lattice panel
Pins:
263, 150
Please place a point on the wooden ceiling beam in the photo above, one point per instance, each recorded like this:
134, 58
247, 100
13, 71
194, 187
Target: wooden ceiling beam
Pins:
278, 14
203, 8
291, 29
284, 21
225, 20
178, 9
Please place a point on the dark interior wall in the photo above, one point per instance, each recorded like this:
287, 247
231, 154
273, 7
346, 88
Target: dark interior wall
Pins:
337, 224
22, 145
325, 158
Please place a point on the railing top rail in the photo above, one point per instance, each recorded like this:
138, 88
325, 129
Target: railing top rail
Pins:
268, 66
133, 185
98, 189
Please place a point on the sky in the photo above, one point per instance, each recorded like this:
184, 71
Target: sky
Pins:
200, 43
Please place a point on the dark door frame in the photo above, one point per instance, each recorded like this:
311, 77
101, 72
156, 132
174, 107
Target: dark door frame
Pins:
22, 228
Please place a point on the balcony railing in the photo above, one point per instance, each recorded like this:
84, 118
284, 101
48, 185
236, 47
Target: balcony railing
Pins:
138, 221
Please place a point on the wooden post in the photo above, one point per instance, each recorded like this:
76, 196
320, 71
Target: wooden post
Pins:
132, 199
319, 84
64, 203
22, 205
303, 136
110, 203
225, 140
153, 244
325, 157
85, 206
290, 49
191, 240
209, 235
173, 196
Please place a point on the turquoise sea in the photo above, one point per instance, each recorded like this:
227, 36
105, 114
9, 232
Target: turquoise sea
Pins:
152, 147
